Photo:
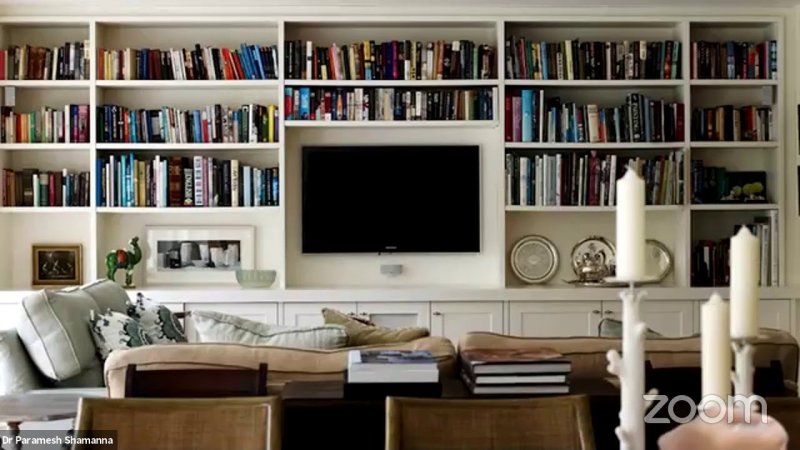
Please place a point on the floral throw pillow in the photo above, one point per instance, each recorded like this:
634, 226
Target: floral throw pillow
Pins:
157, 321
115, 331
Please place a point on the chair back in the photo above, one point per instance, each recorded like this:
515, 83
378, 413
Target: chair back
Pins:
546, 423
195, 383
181, 424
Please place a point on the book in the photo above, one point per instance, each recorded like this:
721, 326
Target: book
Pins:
734, 60
34, 187
67, 62
391, 366
519, 379
536, 389
69, 124
515, 361
729, 123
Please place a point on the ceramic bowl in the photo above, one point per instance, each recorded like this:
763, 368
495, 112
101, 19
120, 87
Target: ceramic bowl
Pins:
255, 279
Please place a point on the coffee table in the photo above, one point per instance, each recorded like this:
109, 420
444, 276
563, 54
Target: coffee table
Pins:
33, 407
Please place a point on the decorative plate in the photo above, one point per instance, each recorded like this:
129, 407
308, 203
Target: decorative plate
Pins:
658, 260
534, 259
593, 259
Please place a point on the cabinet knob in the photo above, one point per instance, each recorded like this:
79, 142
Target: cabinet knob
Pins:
437, 313
596, 312
608, 312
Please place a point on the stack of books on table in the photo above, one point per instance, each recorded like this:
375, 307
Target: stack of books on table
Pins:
392, 372
515, 372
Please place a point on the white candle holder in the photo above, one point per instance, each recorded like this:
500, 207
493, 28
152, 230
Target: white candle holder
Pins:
744, 370
629, 368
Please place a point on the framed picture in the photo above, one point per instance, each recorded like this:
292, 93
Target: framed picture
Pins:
198, 254
57, 265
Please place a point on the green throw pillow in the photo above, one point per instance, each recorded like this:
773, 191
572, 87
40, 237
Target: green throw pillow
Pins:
156, 320
612, 328
114, 331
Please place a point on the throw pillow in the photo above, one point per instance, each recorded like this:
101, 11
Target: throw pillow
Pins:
362, 333
54, 328
114, 331
157, 321
18, 374
107, 294
218, 327
612, 328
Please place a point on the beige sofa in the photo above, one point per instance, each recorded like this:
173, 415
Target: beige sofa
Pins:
284, 364
588, 354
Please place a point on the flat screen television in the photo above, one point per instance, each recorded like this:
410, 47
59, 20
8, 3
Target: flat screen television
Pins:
391, 199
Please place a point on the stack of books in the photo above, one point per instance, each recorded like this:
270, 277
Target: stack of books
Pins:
734, 60
26, 62
35, 187
515, 372
391, 366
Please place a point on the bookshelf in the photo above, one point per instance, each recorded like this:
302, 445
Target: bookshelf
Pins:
679, 226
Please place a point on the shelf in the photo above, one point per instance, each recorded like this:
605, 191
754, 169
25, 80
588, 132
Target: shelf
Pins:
44, 209
595, 146
391, 123
732, 83
733, 144
45, 147
392, 83
187, 84
193, 146
596, 83
47, 84
585, 209
735, 207
188, 210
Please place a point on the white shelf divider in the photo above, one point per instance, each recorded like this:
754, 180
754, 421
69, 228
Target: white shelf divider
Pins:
734, 144
47, 147
47, 84
735, 207
734, 83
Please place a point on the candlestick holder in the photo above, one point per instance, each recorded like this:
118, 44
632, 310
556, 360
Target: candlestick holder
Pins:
743, 373
629, 368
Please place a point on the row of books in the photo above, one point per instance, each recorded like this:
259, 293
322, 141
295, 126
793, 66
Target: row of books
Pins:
48, 125
390, 60
536, 371
589, 179
34, 187
25, 62
213, 124
379, 104
530, 117
735, 60
718, 185
710, 259
731, 123
249, 62
592, 60
129, 180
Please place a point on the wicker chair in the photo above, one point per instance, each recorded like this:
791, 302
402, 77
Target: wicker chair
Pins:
182, 424
547, 423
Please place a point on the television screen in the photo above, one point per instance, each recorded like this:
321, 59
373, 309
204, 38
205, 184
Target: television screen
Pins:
391, 199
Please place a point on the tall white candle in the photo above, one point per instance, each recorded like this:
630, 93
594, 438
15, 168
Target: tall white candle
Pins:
744, 263
716, 347
630, 242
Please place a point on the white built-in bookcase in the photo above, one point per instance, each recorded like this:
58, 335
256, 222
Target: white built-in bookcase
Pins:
278, 228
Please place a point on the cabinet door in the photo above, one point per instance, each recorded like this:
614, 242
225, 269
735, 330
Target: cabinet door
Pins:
670, 318
775, 314
260, 312
396, 314
554, 319
310, 314
454, 319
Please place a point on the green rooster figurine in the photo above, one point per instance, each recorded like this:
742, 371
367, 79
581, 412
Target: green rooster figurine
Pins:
124, 259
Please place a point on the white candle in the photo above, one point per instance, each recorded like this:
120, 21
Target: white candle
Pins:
630, 242
716, 348
744, 264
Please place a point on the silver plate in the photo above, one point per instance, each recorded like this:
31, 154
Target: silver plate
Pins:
534, 259
658, 260
593, 248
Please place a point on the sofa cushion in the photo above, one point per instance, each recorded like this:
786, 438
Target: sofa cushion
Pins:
588, 354
218, 327
156, 320
18, 374
108, 295
114, 331
54, 326
89, 378
361, 333
612, 328
285, 364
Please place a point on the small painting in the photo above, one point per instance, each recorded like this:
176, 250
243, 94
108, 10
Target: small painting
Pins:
57, 265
